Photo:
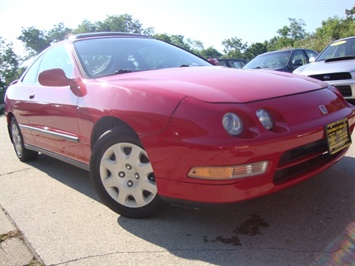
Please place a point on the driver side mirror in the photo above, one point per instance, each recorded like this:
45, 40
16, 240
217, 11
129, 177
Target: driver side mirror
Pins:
56, 78
53, 77
298, 63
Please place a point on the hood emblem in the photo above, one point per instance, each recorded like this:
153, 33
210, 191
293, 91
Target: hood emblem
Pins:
323, 109
326, 77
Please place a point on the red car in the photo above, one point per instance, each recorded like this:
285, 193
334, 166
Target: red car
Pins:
155, 124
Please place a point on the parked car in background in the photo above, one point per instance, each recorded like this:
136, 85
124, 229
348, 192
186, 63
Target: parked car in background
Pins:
232, 62
155, 124
228, 62
282, 60
335, 65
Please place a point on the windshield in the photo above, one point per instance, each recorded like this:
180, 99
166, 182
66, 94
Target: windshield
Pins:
110, 56
341, 48
269, 60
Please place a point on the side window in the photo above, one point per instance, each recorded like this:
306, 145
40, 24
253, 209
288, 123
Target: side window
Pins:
310, 54
299, 58
241, 63
222, 63
237, 64
57, 57
31, 74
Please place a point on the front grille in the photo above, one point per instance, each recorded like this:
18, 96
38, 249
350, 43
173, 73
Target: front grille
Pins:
345, 90
302, 159
332, 76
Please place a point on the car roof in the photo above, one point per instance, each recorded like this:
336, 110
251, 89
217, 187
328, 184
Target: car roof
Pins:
230, 59
344, 39
105, 34
283, 50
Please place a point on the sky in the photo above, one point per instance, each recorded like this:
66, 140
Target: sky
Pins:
208, 21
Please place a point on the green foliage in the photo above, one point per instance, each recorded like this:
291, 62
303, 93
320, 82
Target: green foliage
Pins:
177, 40
121, 23
36, 40
288, 36
210, 52
234, 47
9, 66
254, 50
330, 30
295, 36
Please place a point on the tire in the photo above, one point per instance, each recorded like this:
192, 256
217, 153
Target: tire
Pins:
17, 140
122, 175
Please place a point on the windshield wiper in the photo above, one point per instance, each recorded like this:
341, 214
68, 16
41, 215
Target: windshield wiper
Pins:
124, 70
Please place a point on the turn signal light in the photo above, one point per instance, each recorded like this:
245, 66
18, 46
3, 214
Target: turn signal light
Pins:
229, 172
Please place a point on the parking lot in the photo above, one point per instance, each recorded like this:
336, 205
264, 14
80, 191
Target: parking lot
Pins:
63, 221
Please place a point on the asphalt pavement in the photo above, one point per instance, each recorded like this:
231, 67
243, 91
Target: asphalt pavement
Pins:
50, 215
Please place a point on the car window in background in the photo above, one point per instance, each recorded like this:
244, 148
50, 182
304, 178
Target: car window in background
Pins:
310, 53
222, 63
270, 60
339, 48
299, 58
237, 64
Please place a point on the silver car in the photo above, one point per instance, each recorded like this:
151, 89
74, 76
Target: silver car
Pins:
335, 65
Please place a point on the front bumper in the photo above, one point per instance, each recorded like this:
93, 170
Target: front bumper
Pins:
295, 151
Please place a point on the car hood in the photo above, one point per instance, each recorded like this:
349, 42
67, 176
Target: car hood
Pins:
322, 67
216, 84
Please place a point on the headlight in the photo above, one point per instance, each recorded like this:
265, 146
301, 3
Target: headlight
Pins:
265, 118
232, 124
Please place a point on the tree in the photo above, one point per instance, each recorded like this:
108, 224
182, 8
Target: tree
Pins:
288, 35
35, 40
350, 14
58, 33
195, 46
330, 30
9, 66
254, 50
234, 47
85, 26
210, 52
177, 40
121, 23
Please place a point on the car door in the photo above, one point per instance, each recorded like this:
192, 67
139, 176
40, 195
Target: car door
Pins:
52, 112
298, 58
310, 54
19, 97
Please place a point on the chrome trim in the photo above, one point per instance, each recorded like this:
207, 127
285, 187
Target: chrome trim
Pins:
323, 109
56, 134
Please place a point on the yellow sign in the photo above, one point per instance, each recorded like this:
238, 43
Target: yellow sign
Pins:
338, 136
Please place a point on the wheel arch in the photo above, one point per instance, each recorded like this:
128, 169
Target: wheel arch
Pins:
105, 124
9, 116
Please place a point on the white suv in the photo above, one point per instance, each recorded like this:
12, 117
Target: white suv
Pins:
335, 65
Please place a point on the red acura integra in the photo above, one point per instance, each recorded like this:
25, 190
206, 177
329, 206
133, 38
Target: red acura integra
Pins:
154, 123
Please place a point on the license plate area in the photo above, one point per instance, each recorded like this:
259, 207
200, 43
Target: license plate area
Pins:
338, 136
